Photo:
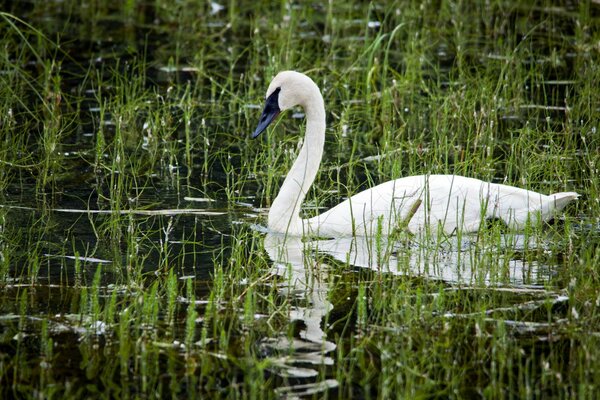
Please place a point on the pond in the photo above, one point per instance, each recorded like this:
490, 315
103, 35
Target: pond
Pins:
135, 261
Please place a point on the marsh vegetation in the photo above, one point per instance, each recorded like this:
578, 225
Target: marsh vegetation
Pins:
134, 262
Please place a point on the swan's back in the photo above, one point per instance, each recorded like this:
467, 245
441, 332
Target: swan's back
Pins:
435, 202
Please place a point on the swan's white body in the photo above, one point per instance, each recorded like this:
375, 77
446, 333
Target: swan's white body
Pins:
437, 202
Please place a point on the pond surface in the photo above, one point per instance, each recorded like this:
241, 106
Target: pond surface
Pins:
134, 257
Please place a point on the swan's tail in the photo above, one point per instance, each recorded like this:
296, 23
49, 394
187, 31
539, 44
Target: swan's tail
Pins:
561, 199
516, 216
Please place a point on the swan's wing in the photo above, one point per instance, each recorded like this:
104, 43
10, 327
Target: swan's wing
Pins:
444, 203
451, 202
460, 202
414, 203
371, 211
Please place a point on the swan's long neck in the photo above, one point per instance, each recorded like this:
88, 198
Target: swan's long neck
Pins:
284, 215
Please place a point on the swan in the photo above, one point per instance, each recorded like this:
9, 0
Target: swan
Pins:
434, 203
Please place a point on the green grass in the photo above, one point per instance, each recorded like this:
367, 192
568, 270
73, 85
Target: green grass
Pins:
114, 116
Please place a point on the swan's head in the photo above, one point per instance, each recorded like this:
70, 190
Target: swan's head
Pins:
287, 89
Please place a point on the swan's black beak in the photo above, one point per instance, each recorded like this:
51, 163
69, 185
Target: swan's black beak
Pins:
269, 113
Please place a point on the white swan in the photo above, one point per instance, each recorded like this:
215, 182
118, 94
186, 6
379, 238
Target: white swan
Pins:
445, 202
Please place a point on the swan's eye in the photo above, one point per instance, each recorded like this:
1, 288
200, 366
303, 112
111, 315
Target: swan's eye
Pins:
272, 102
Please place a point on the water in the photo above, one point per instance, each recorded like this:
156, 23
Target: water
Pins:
135, 262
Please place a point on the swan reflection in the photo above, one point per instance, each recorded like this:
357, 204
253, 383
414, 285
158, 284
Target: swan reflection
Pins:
457, 261
303, 280
465, 260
